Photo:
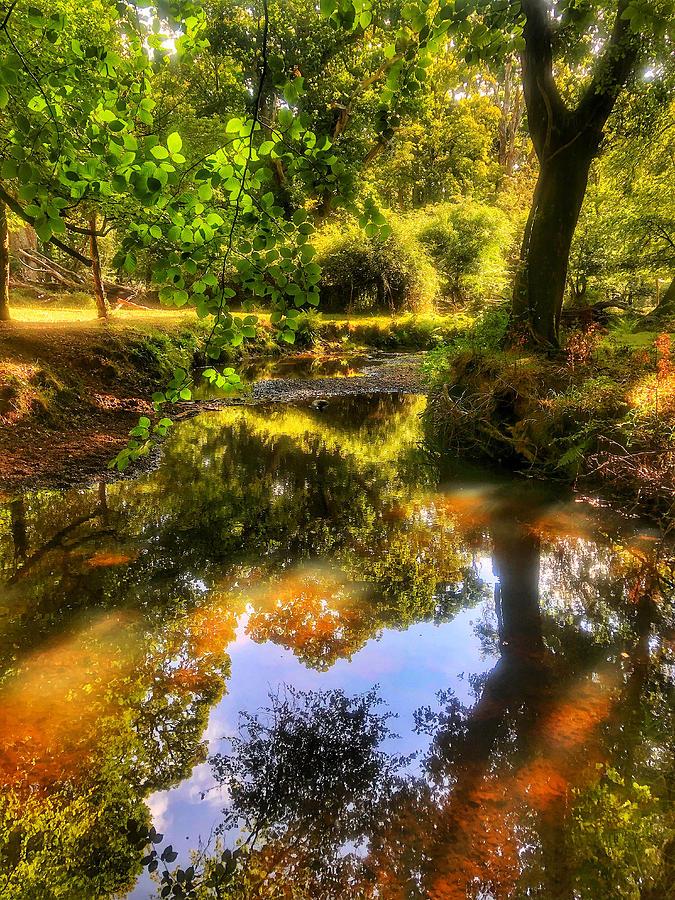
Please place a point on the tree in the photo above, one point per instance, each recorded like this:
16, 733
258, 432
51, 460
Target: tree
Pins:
566, 139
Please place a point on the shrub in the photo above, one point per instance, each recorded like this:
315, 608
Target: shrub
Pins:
467, 243
486, 335
361, 273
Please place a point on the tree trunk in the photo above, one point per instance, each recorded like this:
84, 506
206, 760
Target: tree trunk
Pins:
542, 272
566, 141
4, 264
99, 289
665, 308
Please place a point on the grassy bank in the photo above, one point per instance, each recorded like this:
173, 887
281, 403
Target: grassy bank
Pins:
599, 413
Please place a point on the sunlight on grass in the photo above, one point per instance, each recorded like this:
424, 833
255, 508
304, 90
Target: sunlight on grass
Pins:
58, 316
69, 315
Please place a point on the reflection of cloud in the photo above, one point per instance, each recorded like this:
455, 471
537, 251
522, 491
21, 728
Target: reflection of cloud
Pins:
158, 804
219, 727
201, 787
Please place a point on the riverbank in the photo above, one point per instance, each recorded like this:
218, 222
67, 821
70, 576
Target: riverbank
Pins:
600, 416
71, 388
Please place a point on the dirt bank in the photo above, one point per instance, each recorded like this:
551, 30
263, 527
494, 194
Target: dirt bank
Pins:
70, 393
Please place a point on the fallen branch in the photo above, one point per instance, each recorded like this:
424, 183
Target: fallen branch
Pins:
49, 270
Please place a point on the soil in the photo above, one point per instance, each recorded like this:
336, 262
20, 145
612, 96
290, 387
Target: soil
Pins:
101, 392
89, 426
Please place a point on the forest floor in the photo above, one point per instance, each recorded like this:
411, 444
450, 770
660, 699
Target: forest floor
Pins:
72, 386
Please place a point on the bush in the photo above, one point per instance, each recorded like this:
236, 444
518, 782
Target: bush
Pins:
361, 273
467, 243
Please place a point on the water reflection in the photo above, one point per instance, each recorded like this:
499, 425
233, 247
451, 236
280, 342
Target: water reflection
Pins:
312, 533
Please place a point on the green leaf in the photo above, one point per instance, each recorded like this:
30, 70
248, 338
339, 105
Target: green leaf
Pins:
285, 117
174, 143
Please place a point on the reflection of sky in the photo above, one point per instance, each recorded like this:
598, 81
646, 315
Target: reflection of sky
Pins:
409, 667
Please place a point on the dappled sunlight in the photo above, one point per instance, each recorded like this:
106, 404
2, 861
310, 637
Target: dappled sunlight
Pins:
55, 710
53, 315
654, 394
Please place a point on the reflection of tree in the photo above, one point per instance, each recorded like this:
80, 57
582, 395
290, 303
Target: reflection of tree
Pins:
325, 528
117, 612
264, 492
520, 771
556, 783
308, 782
88, 727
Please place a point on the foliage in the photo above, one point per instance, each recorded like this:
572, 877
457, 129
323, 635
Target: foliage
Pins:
486, 334
466, 241
623, 242
360, 272
443, 145
614, 837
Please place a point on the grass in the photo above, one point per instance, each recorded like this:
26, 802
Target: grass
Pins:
381, 331
126, 315
607, 417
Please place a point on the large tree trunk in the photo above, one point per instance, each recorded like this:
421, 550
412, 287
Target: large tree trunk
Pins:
4, 264
99, 289
665, 308
542, 273
566, 141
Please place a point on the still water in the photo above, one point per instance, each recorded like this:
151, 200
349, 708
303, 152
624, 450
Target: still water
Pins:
379, 678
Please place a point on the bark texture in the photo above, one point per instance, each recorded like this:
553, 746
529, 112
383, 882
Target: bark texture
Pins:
99, 289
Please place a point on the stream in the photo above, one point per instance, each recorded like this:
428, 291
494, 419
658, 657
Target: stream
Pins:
377, 674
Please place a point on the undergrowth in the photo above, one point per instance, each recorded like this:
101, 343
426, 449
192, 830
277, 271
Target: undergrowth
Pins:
599, 411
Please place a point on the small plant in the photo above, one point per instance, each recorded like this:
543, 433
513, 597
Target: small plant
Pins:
619, 326
581, 345
665, 368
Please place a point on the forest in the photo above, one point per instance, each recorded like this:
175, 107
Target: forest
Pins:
337, 449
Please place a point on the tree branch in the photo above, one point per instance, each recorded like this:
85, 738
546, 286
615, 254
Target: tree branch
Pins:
546, 108
611, 72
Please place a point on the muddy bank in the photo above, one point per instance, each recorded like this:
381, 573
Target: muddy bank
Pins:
77, 449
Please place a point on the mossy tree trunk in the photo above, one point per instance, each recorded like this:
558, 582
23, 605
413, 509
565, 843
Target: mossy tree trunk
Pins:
4, 264
99, 290
542, 273
566, 141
